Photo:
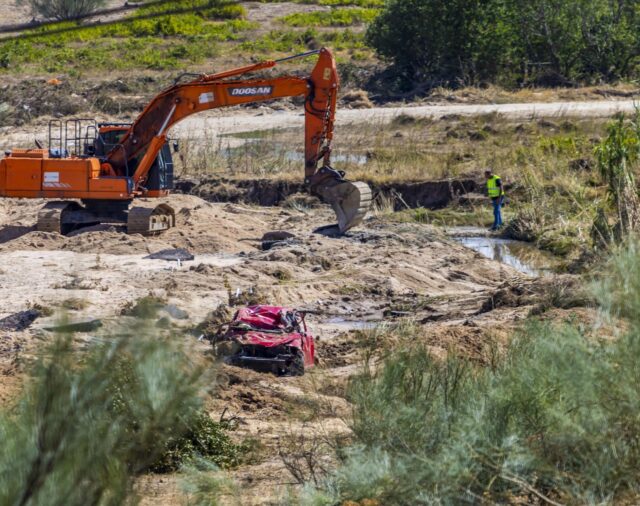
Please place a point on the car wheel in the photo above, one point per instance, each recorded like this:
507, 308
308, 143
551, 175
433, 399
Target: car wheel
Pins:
296, 367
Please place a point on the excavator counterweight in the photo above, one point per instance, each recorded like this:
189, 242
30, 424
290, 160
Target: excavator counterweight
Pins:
95, 173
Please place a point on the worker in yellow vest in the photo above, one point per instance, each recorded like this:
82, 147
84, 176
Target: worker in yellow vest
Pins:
495, 190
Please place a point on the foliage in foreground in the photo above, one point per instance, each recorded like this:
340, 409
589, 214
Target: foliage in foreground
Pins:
203, 438
556, 419
89, 422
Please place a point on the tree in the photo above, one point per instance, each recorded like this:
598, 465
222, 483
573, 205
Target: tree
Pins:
62, 9
427, 39
511, 42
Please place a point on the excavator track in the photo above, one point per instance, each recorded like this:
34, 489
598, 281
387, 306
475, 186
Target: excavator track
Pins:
148, 220
53, 216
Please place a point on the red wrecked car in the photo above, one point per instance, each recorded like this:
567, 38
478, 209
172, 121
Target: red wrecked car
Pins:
267, 338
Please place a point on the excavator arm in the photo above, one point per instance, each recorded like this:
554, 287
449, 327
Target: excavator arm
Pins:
139, 147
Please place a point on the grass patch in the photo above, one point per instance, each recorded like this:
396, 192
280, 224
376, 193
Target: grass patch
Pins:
333, 17
159, 43
279, 41
358, 3
454, 216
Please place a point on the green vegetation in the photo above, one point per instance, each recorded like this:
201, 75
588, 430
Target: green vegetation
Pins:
508, 42
336, 3
62, 9
292, 41
181, 35
280, 41
333, 17
358, 3
554, 418
148, 39
203, 439
618, 158
89, 422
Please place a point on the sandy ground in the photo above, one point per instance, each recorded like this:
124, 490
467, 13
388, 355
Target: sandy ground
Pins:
377, 271
109, 268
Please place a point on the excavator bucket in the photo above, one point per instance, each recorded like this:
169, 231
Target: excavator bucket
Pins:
350, 201
150, 219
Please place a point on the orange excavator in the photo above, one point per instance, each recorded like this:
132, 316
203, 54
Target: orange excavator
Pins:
110, 172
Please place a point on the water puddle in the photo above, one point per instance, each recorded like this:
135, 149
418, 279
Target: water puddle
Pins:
522, 256
344, 324
262, 147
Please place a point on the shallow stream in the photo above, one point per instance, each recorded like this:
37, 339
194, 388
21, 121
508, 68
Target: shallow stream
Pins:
523, 256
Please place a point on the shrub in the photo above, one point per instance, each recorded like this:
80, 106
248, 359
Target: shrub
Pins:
145, 307
554, 419
62, 9
204, 439
89, 422
617, 158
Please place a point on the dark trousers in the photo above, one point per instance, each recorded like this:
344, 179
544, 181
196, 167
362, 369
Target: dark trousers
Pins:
497, 211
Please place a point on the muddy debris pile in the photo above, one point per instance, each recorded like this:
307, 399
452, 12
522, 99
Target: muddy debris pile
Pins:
291, 193
564, 292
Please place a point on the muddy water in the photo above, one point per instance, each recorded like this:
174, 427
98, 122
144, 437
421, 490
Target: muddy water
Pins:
345, 324
523, 256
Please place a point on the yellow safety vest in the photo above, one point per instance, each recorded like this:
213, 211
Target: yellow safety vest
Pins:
492, 187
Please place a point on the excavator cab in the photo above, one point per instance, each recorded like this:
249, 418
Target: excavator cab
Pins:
161, 174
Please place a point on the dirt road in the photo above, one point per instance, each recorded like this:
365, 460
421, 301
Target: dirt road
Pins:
267, 119
225, 121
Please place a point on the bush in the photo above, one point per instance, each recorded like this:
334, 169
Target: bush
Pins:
62, 9
203, 439
617, 161
89, 422
554, 419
